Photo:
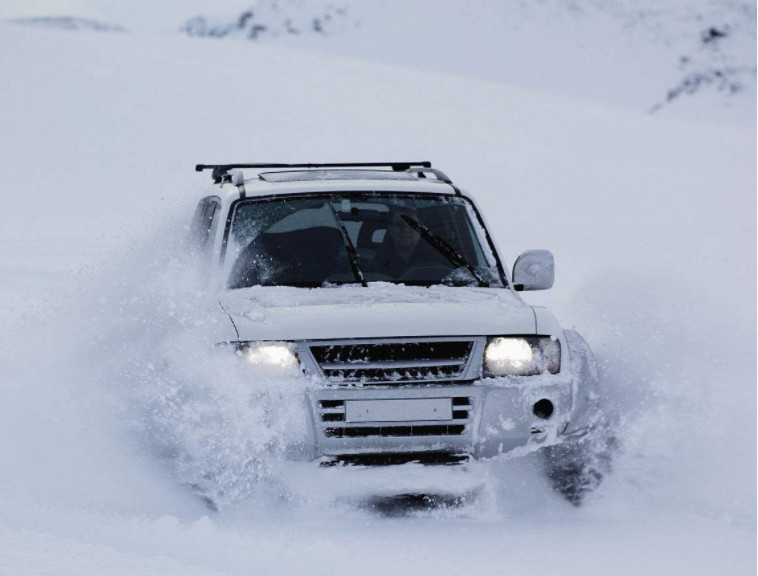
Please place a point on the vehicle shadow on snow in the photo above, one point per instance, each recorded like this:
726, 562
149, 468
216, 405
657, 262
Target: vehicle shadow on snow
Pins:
404, 505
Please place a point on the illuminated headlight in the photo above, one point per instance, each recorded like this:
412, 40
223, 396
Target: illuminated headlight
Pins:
521, 356
270, 356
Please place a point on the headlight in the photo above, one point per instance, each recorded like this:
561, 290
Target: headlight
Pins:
521, 356
269, 356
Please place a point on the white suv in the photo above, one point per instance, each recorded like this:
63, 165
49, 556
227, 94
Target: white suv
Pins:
381, 284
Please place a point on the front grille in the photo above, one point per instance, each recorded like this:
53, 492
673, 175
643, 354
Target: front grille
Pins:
332, 415
393, 363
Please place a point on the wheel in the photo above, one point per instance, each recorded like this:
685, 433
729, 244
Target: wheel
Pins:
577, 466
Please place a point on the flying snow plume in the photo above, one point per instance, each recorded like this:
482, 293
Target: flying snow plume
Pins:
220, 416
144, 368
674, 382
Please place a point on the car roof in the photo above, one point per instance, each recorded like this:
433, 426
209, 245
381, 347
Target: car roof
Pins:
352, 174
322, 181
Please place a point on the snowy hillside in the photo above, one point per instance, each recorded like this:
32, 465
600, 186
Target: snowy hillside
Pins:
692, 59
651, 218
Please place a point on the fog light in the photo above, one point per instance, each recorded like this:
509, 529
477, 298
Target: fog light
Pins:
543, 409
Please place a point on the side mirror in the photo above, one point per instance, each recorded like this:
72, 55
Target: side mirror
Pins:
534, 270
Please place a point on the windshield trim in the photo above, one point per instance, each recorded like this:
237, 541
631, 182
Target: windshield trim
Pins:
367, 194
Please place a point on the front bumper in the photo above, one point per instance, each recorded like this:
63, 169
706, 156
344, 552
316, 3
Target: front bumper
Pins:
483, 417
489, 417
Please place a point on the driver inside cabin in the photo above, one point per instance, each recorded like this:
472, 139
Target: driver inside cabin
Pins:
402, 248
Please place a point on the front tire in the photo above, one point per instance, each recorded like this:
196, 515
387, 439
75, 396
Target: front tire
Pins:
577, 466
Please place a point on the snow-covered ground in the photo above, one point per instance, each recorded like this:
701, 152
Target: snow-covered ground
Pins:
651, 218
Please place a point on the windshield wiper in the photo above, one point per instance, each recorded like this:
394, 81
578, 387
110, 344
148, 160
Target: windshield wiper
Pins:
349, 248
444, 248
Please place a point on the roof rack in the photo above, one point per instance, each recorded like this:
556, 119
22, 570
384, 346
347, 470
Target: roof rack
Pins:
220, 171
438, 174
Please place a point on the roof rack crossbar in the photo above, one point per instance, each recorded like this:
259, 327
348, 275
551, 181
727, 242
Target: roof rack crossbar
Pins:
220, 171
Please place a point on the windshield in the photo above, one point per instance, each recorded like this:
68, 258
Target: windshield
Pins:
357, 239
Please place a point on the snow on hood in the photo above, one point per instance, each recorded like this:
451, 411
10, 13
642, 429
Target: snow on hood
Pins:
380, 310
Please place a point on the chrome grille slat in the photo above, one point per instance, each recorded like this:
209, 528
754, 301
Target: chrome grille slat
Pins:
332, 410
392, 365
403, 430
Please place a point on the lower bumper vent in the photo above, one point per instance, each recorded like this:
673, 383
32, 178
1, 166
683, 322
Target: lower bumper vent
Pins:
394, 431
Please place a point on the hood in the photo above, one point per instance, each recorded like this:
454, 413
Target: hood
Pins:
378, 311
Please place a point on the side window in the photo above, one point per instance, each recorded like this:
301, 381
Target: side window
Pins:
204, 225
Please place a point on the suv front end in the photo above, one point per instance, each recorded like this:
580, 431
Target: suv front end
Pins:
404, 358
